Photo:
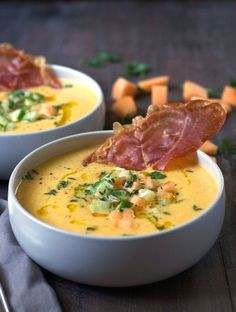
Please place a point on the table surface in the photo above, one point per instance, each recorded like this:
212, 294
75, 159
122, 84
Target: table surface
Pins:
184, 40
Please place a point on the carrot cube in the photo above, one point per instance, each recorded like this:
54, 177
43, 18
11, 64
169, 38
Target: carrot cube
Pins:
125, 106
159, 95
123, 87
229, 95
209, 148
147, 84
191, 89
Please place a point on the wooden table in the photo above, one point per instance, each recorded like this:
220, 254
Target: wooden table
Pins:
184, 40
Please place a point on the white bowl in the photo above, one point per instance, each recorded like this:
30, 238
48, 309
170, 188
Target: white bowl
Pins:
16, 146
112, 261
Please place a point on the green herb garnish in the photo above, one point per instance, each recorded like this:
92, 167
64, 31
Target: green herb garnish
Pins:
91, 228
167, 213
28, 176
107, 57
137, 69
95, 63
124, 204
127, 183
214, 93
196, 208
232, 82
51, 192
68, 85
226, 147
62, 184
155, 175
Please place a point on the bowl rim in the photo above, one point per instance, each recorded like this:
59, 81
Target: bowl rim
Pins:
106, 133
89, 79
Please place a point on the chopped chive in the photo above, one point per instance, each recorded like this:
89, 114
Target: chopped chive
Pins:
27, 176
196, 208
68, 85
62, 184
51, 192
91, 228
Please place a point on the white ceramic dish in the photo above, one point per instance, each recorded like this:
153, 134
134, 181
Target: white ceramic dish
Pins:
112, 261
13, 147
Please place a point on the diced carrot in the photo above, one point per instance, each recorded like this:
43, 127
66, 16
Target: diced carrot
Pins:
191, 88
159, 95
209, 148
226, 106
123, 219
229, 95
138, 201
147, 84
47, 110
125, 106
123, 87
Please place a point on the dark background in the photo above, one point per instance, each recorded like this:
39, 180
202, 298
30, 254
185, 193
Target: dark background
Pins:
184, 39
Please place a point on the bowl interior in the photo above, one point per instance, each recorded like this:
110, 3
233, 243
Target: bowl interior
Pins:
78, 141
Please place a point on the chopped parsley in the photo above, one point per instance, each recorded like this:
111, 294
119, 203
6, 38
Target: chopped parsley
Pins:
226, 147
94, 62
124, 203
30, 175
107, 57
51, 192
196, 208
68, 85
214, 93
232, 82
27, 176
137, 69
62, 184
91, 228
155, 175
167, 213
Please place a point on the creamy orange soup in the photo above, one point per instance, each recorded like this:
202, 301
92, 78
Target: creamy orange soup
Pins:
43, 108
110, 201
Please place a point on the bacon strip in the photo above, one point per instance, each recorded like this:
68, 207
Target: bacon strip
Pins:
19, 70
164, 134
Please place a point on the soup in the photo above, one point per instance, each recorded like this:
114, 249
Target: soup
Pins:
105, 200
43, 108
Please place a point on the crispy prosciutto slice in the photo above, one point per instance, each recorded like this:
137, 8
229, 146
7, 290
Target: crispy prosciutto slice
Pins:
166, 133
19, 70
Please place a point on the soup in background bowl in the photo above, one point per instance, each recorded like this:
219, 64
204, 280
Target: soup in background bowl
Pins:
77, 107
101, 252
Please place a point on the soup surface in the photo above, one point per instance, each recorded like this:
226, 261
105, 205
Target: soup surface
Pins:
110, 201
43, 108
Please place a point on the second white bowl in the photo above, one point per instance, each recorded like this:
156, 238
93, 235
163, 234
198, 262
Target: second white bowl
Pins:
13, 147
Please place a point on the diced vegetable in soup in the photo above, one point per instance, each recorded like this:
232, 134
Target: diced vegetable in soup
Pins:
106, 200
42, 108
